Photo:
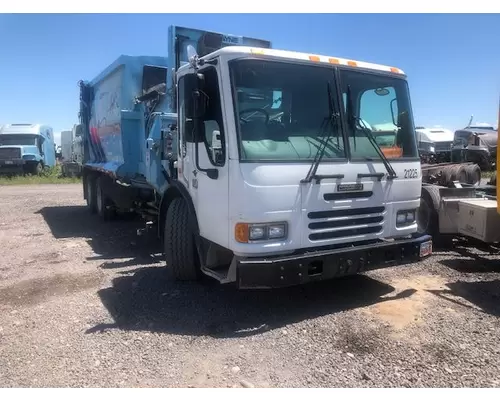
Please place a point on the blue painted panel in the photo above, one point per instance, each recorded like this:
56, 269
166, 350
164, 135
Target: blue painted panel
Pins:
116, 135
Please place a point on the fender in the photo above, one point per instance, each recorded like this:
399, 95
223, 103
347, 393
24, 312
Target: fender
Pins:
176, 189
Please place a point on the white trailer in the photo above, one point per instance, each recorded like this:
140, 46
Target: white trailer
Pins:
66, 141
72, 152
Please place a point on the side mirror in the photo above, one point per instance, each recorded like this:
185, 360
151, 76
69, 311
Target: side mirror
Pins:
394, 111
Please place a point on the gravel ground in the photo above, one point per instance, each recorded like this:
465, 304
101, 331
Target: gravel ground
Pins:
87, 303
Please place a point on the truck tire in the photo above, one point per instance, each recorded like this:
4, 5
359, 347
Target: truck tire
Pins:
103, 203
446, 177
90, 194
427, 213
38, 169
179, 244
458, 173
473, 174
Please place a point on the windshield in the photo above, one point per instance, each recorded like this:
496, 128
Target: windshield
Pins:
281, 110
381, 104
18, 140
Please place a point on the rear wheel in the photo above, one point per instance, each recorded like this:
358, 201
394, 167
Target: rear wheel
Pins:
458, 173
179, 243
104, 205
473, 173
90, 194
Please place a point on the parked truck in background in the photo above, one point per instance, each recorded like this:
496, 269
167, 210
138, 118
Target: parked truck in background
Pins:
435, 144
26, 148
478, 144
66, 142
72, 153
461, 210
251, 174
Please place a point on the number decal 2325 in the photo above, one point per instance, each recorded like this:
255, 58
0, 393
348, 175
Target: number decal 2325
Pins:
411, 173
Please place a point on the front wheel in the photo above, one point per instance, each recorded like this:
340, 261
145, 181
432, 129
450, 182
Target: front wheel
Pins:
38, 168
180, 248
427, 213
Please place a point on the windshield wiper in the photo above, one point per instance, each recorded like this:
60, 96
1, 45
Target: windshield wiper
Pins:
321, 150
352, 119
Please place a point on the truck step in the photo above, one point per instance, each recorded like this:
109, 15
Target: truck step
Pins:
220, 274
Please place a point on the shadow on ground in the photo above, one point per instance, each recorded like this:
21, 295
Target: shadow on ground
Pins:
109, 240
471, 262
484, 295
150, 299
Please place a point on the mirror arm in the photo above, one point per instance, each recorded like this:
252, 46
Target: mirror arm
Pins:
212, 173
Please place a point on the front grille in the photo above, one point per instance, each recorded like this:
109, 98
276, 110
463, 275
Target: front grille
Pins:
347, 196
334, 224
443, 146
9, 153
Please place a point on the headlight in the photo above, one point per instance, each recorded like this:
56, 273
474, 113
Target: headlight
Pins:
432, 149
405, 217
256, 232
245, 233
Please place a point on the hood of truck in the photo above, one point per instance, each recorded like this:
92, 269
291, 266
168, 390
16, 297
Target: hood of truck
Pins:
331, 212
17, 152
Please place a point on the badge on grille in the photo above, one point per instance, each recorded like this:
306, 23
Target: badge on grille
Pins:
349, 187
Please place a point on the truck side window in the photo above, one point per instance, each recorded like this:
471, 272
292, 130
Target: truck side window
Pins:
213, 126
40, 141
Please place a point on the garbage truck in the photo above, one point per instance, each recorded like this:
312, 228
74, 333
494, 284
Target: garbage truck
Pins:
26, 148
258, 167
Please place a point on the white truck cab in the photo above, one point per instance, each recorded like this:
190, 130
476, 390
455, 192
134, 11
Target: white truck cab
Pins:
280, 178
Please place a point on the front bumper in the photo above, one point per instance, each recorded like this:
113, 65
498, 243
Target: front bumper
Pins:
13, 162
310, 266
12, 166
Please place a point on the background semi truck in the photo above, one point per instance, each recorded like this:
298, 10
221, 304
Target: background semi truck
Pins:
464, 210
72, 152
249, 174
26, 148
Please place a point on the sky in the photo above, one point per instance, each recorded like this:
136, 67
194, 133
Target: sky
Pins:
452, 61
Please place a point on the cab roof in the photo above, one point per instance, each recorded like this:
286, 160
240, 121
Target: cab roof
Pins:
293, 55
27, 128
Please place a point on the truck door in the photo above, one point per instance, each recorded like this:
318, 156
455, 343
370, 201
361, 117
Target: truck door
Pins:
208, 192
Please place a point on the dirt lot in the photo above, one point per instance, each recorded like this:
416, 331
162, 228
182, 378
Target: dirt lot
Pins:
85, 303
